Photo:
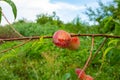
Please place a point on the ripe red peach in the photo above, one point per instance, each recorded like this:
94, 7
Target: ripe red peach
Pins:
81, 74
61, 38
74, 43
88, 77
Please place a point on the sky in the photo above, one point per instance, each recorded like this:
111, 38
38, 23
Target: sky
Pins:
67, 10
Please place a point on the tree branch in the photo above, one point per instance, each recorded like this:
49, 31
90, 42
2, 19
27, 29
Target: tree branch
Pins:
97, 51
14, 46
37, 37
102, 44
11, 25
89, 58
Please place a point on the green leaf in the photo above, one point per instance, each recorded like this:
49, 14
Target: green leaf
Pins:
117, 29
10, 55
106, 51
14, 9
104, 56
115, 57
66, 76
107, 24
113, 41
116, 21
118, 45
0, 14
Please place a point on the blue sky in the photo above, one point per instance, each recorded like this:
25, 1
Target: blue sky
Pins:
67, 10
74, 1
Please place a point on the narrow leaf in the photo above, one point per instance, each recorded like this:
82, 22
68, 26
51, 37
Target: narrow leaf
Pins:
10, 55
14, 9
66, 76
113, 41
104, 56
105, 53
107, 24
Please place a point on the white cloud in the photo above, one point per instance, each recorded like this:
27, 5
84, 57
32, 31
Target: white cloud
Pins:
28, 9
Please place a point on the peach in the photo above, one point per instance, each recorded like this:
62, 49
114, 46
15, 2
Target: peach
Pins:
61, 38
81, 74
88, 77
74, 43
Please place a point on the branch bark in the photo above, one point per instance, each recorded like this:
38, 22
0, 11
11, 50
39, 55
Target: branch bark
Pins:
102, 44
97, 51
45, 37
89, 58
6, 50
11, 25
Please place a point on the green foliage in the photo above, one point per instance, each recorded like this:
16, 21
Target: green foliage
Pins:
117, 27
10, 55
13, 6
107, 24
6, 32
66, 76
34, 29
31, 61
105, 16
114, 56
42, 60
52, 19
35, 49
100, 13
14, 9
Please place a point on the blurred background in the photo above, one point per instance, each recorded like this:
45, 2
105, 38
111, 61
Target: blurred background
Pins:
41, 59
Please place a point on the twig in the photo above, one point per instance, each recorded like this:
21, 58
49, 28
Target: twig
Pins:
26, 38
37, 37
15, 46
11, 25
102, 44
97, 35
89, 58
97, 51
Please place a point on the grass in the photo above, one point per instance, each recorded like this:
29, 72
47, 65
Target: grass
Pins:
42, 60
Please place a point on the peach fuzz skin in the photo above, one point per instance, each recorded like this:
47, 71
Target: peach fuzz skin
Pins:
61, 38
82, 75
74, 43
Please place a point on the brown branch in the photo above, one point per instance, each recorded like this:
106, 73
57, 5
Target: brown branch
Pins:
89, 58
25, 38
102, 44
14, 46
98, 35
37, 37
97, 51
11, 25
